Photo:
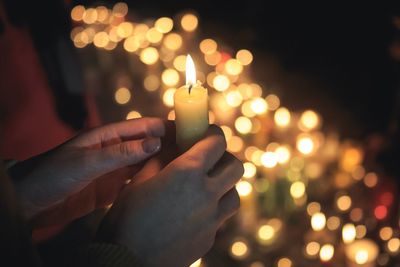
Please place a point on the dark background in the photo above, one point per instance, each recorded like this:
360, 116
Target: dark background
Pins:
336, 59
333, 58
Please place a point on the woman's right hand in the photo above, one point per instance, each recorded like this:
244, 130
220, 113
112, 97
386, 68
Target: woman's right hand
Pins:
171, 219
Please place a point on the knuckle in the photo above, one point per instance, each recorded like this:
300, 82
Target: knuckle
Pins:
125, 149
186, 167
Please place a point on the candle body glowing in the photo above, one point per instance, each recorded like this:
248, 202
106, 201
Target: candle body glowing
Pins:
191, 114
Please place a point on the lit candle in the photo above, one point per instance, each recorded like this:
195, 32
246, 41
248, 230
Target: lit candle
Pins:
362, 253
191, 109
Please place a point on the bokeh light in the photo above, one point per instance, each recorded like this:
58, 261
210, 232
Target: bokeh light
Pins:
122, 95
164, 24
189, 22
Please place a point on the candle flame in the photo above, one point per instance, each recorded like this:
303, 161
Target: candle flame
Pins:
190, 71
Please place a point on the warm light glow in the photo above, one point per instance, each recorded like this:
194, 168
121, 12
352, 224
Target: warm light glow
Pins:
149, 55
244, 56
196, 263
269, 159
235, 144
361, 231
124, 29
77, 13
313, 170
234, 98
168, 97
343, 203
208, 46
122, 95
282, 117
266, 232
257, 264
227, 131
103, 14
318, 221
256, 90
259, 105
131, 44
312, 249
361, 257
305, 144
164, 24
326, 252
386, 233
100, 39
284, 262
283, 154
151, 83
171, 115
190, 71
371, 179
180, 63
245, 90
308, 120
380, 212
362, 252
221, 82
393, 245
133, 115
239, 249
170, 77
356, 214
189, 22
333, 223
213, 58
348, 233
351, 158
154, 36
173, 41
90, 16
233, 67
313, 207
120, 9
243, 125
247, 110
250, 170
273, 102
244, 188
297, 189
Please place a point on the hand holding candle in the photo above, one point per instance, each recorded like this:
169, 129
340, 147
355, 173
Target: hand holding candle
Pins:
191, 109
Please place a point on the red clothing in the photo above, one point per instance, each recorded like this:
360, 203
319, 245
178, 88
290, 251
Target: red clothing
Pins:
30, 124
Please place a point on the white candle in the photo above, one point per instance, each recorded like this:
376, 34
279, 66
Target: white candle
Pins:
362, 253
191, 109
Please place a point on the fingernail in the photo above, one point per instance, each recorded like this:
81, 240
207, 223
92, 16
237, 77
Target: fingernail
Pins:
151, 145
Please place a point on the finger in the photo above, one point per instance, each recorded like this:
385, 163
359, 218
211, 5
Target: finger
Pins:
124, 154
209, 150
124, 130
228, 205
226, 173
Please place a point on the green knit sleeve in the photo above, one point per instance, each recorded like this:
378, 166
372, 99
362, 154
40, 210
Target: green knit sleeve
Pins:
105, 255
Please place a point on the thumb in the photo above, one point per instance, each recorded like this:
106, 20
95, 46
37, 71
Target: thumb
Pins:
127, 153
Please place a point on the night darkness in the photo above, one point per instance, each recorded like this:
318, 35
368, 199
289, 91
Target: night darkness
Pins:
329, 57
321, 156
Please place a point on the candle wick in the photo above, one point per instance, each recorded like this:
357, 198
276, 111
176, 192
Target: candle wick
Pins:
190, 88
